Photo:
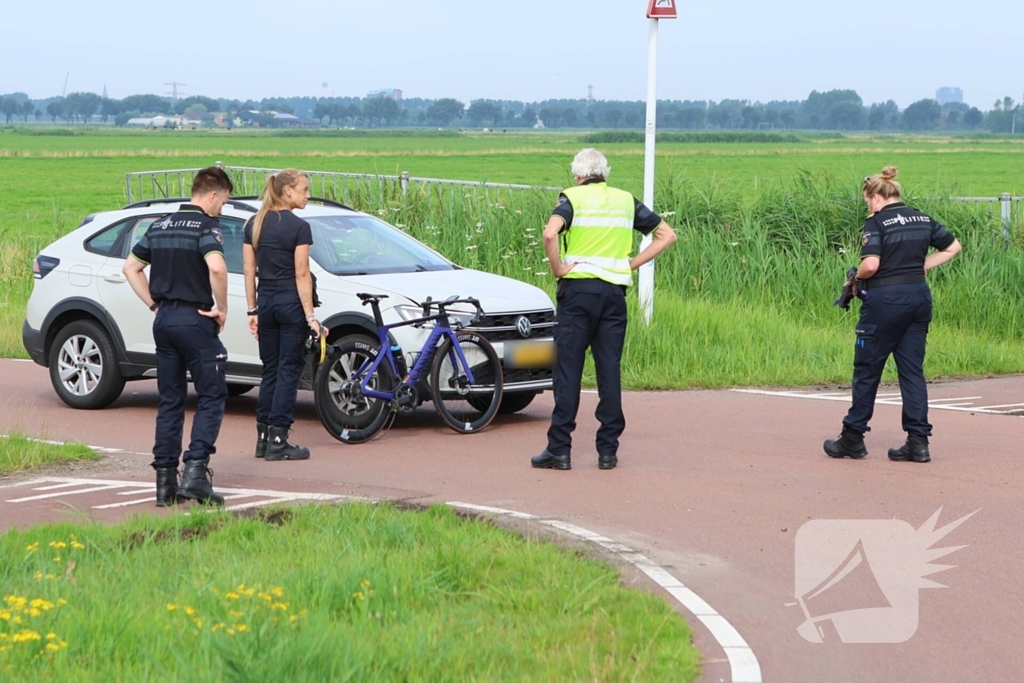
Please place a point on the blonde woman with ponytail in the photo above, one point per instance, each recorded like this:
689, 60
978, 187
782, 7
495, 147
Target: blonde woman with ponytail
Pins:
279, 293
896, 309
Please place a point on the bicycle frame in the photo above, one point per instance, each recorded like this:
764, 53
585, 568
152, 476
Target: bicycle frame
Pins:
423, 361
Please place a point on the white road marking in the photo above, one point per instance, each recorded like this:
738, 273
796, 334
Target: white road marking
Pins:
743, 663
962, 404
92, 489
136, 488
1005, 405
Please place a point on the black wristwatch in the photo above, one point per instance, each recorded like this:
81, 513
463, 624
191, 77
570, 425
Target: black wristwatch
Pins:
253, 311
156, 305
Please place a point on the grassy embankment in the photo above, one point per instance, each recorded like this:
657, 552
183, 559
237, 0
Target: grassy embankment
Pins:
355, 593
19, 453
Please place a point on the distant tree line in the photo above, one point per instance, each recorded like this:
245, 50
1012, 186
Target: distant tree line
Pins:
839, 110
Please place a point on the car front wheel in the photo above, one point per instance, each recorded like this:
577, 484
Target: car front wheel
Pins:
83, 366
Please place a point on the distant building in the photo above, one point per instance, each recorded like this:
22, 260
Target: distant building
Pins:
946, 96
277, 119
393, 93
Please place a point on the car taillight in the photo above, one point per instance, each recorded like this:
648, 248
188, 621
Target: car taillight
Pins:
43, 265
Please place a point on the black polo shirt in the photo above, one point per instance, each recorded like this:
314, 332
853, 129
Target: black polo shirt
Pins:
644, 220
175, 247
900, 237
281, 233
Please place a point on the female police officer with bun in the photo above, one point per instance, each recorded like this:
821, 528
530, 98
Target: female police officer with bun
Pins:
276, 250
894, 315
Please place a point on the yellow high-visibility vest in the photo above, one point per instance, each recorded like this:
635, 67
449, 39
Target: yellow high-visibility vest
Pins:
600, 237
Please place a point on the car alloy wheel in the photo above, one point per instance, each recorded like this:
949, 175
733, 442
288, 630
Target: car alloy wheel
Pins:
80, 365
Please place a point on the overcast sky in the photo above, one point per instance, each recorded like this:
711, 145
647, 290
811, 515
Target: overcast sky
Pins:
515, 49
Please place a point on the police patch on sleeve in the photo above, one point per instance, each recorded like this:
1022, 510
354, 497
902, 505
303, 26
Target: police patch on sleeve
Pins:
217, 235
864, 240
562, 199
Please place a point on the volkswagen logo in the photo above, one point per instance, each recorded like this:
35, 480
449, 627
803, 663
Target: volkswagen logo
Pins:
524, 326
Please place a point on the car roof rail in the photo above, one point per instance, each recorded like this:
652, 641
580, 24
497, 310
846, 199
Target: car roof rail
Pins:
316, 200
238, 202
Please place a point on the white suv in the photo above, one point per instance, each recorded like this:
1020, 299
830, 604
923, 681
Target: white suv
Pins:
86, 325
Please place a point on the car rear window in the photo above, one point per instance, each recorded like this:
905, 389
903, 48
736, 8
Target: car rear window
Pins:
106, 241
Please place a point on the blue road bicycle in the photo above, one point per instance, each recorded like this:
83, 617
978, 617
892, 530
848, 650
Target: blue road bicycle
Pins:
363, 383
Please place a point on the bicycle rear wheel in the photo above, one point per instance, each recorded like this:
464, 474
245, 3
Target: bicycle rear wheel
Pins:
466, 406
347, 414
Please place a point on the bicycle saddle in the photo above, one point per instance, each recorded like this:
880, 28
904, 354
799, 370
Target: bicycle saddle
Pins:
364, 297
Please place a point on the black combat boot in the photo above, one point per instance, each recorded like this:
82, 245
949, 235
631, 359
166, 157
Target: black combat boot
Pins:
197, 483
549, 461
916, 449
262, 435
850, 444
166, 486
278, 447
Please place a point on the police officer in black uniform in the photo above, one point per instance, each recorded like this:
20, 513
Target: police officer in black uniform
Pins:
276, 253
894, 315
188, 292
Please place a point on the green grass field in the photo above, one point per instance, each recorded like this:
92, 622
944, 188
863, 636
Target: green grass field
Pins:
766, 232
19, 453
350, 593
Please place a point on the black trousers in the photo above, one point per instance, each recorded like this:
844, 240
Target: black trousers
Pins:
187, 342
590, 314
283, 331
894, 321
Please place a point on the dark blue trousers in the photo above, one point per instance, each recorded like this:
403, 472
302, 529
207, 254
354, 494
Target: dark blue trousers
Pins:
187, 342
894, 321
590, 314
283, 331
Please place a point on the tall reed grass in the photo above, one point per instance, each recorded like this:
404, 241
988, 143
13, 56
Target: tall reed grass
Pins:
745, 296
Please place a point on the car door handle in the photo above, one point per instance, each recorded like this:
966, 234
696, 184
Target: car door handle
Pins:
115, 279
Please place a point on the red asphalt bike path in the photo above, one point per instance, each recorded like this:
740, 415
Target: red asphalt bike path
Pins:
711, 485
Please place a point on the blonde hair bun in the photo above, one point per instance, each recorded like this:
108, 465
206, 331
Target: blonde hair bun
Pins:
890, 172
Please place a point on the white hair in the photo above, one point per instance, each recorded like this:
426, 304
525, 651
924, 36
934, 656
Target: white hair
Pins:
590, 163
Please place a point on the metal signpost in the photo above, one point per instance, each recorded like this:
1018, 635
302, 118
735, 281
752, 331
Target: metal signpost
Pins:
656, 11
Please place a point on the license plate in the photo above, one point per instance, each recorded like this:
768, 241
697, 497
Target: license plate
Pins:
529, 354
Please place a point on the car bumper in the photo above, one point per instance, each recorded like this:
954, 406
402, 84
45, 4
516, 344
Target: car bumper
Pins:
33, 341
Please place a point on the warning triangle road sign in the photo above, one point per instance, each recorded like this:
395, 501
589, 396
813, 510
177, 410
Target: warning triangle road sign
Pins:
661, 9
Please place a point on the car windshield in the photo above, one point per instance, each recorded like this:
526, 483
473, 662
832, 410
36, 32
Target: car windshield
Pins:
363, 245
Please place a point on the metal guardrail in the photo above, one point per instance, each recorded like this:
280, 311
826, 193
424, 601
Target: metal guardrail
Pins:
250, 181
1009, 207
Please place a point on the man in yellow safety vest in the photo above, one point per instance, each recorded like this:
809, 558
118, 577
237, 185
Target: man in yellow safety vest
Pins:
588, 240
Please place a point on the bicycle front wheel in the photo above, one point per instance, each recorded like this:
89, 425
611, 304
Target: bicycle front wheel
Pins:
347, 414
466, 406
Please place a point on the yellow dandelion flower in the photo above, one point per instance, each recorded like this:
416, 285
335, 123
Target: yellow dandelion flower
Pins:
51, 636
266, 596
52, 647
58, 544
241, 628
235, 614
190, 611
231, 596
277, 591
5, 615
16, 619
199, 623
293, 618
76, 545
365, 584
217, 627
38, 576
57, 559
34, 547
231, 631
33, 612
44, 605
171, 607
61, 602
50, 577
283, 606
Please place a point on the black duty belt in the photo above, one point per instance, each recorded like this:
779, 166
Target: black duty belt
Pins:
286, 282
908, 279
177, 303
